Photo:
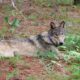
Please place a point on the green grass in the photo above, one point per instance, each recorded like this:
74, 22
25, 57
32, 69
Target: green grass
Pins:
71, 50
12, 60
65, 2
43, 3
12, 74
74, 68
72, 56
66, 18
31, 77
33, 16
50, 3
3, 31
73, 42
47, 54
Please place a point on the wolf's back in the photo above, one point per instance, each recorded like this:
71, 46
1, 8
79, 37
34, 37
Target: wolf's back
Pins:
9, 48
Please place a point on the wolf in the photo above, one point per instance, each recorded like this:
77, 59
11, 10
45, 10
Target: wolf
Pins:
48, 40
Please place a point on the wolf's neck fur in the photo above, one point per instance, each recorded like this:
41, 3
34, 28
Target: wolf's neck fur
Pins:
48, 39
45, 36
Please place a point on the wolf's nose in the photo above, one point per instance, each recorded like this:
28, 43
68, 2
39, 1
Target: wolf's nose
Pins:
61, 43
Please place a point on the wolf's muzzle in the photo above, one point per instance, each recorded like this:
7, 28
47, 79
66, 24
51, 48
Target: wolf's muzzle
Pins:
61, 43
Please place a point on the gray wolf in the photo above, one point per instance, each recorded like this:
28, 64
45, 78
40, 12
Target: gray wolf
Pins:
29, 46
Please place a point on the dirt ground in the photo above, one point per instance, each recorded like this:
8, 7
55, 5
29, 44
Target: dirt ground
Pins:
28, 67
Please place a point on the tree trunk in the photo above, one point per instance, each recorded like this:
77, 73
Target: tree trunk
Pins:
76, 2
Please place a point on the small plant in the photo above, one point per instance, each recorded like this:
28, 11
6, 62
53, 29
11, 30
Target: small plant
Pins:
13, 24
12, 74
15, 59
12, 60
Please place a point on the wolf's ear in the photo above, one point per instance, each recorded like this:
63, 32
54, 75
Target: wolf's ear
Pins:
52, 25
62, 24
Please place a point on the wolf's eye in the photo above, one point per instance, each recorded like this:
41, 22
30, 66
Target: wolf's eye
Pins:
56, 35
62, 33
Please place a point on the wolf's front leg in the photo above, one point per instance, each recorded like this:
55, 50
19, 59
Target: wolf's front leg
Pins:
58, 53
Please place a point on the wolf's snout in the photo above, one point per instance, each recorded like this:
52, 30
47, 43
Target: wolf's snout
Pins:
61, 43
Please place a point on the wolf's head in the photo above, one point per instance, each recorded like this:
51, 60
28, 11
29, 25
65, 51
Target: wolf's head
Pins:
56, 33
